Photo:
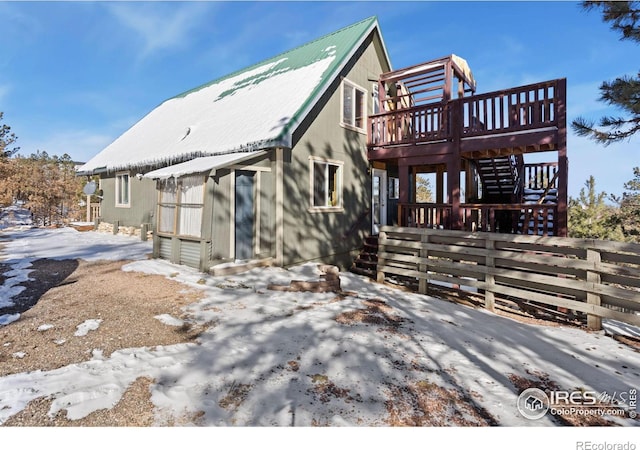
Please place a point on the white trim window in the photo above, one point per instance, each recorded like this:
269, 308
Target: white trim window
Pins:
180, 206
354, 106
123, 190
326, 184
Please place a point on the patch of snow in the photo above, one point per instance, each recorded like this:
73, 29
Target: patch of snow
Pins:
68, 243
45, 327
6, 319
616, 327
86, 326
15, 217
19, 355
168, 319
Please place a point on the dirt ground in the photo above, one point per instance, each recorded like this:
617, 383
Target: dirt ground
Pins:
126, 303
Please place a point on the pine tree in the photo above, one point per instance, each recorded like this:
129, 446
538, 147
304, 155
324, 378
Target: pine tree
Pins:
629, 213
47, 185
624, 91
590, 217
7, 139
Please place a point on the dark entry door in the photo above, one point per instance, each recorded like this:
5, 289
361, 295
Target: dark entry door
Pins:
244, 214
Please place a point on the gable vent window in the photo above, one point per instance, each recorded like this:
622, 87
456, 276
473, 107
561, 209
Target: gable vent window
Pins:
123, 190
354, 106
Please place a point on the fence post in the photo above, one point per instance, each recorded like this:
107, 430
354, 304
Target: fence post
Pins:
382, 236
423, 283
593, 276
489, 280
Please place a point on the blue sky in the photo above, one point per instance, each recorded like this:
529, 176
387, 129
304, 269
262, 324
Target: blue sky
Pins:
76, 75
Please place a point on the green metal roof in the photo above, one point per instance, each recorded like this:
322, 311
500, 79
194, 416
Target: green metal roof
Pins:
342, 40
342, 43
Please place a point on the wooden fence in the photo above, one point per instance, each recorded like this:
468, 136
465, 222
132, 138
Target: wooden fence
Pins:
599, 278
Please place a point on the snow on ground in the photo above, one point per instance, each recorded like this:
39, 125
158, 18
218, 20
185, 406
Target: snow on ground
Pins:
273, 358
15, 217
23, 245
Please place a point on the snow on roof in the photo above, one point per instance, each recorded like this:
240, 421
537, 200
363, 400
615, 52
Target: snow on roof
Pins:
199, 165
252, 109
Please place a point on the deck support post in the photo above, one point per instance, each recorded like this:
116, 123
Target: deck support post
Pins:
440, 185
454, 166
563, 162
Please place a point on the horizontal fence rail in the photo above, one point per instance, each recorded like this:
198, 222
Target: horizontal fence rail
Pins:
598, 278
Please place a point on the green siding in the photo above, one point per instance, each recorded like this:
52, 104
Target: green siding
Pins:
142, 205
322, 236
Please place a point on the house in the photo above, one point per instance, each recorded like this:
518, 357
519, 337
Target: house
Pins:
266, 164
303, 156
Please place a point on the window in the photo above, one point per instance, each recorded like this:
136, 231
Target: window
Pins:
326, 180
123, 189
375, 98
394, 188
180, 206
354, 106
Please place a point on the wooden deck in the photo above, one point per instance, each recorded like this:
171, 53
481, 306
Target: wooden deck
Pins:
514, 121
422, 128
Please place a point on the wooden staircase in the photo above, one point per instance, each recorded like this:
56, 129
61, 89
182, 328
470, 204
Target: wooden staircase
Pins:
501, 184
498, 176
367, 261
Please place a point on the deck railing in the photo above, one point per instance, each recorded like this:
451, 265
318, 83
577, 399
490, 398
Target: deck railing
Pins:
521, 218
518, 109
540, 175
424, 215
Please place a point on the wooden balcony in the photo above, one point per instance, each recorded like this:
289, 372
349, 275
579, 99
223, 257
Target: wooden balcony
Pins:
524, 118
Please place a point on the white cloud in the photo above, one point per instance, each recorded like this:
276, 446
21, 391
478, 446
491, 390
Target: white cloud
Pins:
157, 27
